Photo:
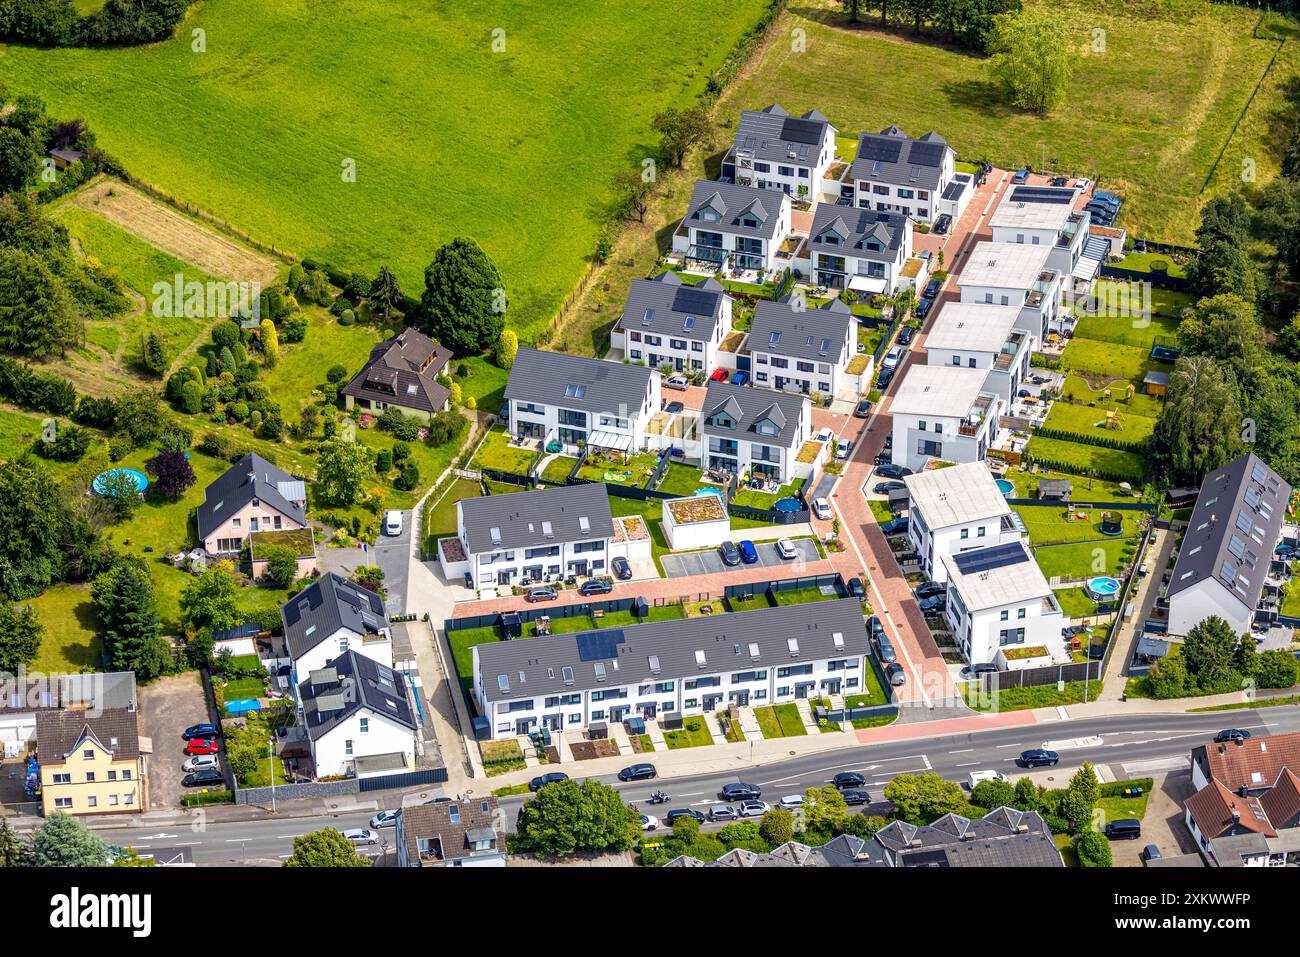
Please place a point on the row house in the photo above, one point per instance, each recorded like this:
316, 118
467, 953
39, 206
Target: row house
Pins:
797, 349
954, 510
944, 413
774, 150
734, 228
862, 250
1047, 216
671, 668
753, 431
669, 324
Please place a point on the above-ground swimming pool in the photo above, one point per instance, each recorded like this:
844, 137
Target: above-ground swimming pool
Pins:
1101, 589
1006, 488
787, 505
100, 484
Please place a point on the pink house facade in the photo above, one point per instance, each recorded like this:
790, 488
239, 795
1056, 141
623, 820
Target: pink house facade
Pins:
251, 496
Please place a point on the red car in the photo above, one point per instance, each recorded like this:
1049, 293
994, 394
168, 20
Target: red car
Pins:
719, 375
201, 746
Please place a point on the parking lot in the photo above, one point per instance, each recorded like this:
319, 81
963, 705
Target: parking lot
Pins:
167, 707
708, 561
392, 554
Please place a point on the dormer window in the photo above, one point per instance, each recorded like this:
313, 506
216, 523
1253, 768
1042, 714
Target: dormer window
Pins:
749, 222
830, 239
766, 427
709, 215
723, 422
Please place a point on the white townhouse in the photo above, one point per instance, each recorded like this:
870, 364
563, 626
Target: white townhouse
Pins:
1015, 274
796, 348
666, 322
999, 602
358, 719
774, 150
1046, 216
857, 249
756, 431
734, 227
541, 535
331, 617
1225, 555
670, 668
955, 510
980, 335
572, 399
916, 178
943, 413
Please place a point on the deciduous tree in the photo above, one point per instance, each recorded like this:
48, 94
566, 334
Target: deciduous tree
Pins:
1032, 59
324, 848
464, 300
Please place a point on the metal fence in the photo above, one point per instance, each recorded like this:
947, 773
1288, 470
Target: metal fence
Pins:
996, 681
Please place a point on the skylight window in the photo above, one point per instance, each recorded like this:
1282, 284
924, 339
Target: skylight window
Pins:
699, 658
600, 671
793, 645
496, 535
654, 664
753, 649
503, 682
776, 337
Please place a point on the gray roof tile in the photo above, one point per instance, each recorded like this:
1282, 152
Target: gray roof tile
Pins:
773, 135
252, 477
749, 406
730, 201
890, 157
549, 516
325, 606
665, 306
819, 334
577, 382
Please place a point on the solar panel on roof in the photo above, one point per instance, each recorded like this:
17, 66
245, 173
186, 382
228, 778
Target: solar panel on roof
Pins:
598, 645
1040, 194
927, 154
698, 302
884, 150
801, 131
985, 559
1259, 473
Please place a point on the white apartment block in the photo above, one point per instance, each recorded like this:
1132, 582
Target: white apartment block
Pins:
954, 510
892, 173
863, 250
943, 413
974, 335
358, 719
795, 348
1046, 216
753, 431
734, 228
1015, 274
774, 150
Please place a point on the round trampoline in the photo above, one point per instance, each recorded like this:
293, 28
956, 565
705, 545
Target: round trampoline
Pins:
1006, 488
100, 485
1102, 588
1111, 524
787, 505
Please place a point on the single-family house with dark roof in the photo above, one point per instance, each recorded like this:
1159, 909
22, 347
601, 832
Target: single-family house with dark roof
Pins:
753, 431
250, 496
862, 250
894, 173
670, 668
330, 617
797, 348
1246, 809
844, 850
457, 833
578, 400
733, 228
401, 372
669, 324
774, 150
1002, 838
90, 761
23, 697
536, 536
358, 718
1226, 552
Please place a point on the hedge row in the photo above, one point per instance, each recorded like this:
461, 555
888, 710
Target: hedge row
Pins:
1113, 789
745, 47
1107, 475
1101, 441
35, 390
55, 23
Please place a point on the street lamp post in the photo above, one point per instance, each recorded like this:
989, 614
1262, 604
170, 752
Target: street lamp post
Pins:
270, 752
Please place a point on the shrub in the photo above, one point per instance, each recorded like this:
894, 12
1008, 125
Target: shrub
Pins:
408, 479
336, 373
295, 329
68, 445
347, 318
384, 461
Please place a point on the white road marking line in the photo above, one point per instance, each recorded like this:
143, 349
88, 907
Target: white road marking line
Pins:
968, 764
961, 751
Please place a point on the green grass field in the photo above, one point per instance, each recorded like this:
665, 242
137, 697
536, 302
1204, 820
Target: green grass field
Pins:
1147, 117
1089, 422
1049, 524
1110, 359
1082, 458
449, 136
1089, 558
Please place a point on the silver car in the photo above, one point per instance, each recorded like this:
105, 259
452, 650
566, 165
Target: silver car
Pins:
201, 762
786, 549
753, 808
361, 835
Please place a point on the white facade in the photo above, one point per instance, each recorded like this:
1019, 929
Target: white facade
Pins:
377, 647
700, 533
922, 205
546, 421
1191, 606
681, 353
1003, 609
1014, 274
735, 228
955, 510
549, 562
850, 249
982, 336
365, 733
943, 413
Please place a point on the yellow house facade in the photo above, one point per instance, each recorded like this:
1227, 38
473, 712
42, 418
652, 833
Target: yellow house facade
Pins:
90, 765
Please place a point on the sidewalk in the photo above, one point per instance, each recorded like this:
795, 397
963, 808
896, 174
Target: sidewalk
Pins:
1130, 629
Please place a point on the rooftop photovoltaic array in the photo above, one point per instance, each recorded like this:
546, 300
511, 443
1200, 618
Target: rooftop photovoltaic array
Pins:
801, 131
986, 559
699, 302
599, 645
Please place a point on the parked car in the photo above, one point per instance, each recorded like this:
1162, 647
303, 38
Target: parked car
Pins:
923, 308
786, 549
943, 224
905, 335
677, 382
201, 762
201, 746
974, 671
539, 782
361, 835
384, 819
1231, 734
863, 409
932, 289
892, 357
201, 731
753, 808
885, 649
1082, 183
977, 777
891, 471
649, 822
884, 488
722, 812
677, 812
885, 377
1125, 829
740, 791
896, 675
1060, 180
1150, 853
849, 779
1022, 176
824, 435
622, 568
842, 449
638, 772
856, 588
930, 589
393, 522
1039, 758
719, 375
541, 594
895, 526
740, 378
730, 553
595, 586
822, 509
792, 801
1108, 198
855, 796
748, 553
930, 606
203, 779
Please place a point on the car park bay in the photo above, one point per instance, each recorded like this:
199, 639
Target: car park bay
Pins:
708, 561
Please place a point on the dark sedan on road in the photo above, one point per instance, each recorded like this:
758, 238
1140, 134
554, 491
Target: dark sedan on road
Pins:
541, 594
905, 335
739, 791
595, 586
943, 224
884, 488
855, 796
203, 779
856, 588
882, 381
923, 308
848, 779
748, 553
638, 772
1231, 734
896, 675
892, 471
932, 606
1039, 758
677, 812
539, 782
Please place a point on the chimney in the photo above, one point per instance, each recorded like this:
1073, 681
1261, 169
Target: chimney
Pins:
1240, 742
1236, 816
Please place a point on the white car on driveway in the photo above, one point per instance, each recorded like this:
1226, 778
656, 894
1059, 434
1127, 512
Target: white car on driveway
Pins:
824, 435
786, 549
393, 523
201, 762
822, 509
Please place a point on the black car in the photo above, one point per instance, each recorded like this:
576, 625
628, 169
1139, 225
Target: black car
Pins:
932, 289
942, 224
923, 308
882, 381
539, 782
203, 779
205, 731
855, 796
848, 779
638, 772
1127, 829
905, 335
930, 590
1231, 734
730, 553
595, 586
1039, 758
892, 471
541, 594
932, 605
622, 568
856, 588
984, 668
896, 526
896, 675
677, 812
740, 791
884, 488
1060, 181
863, 410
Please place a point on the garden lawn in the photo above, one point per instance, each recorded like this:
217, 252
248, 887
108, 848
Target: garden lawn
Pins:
557, 469
1048, 524
319, 134
640, 466
461, 642
1081, 561
1110, 360
1077, 457
800, 596
1075, 602
1089, 423
496, 453
694, 734
766, 500
70, 643
1022, 699
1140, 404
440, 514
681, 479
780, 721
1133, 330
1083, 489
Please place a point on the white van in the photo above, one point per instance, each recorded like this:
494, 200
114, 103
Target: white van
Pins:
393, 523
977, 776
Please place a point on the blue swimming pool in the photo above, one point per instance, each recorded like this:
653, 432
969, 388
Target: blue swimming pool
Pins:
1006, 488
1102, 588
100, 484
787, 505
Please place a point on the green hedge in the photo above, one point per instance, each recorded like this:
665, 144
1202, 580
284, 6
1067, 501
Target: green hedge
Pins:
1101, 441
1112, 789
201, 798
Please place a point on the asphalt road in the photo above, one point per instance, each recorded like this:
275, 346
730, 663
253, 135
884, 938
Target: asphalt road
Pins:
392, 554
1126, 743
